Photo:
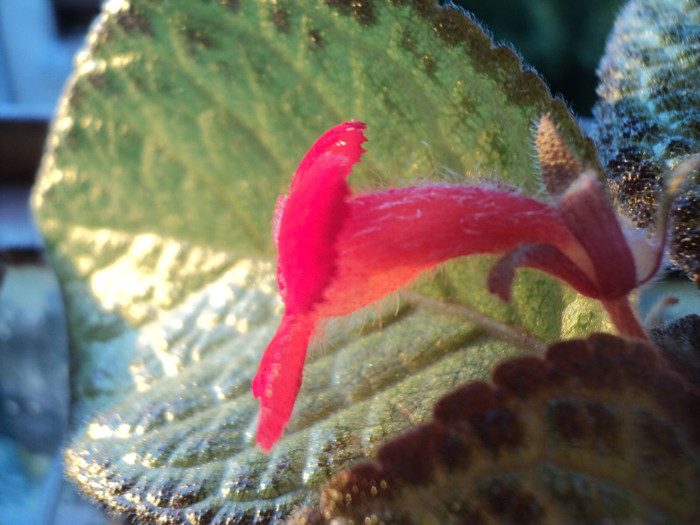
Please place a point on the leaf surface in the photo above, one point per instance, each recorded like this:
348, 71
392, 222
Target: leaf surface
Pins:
182, 123
603, 429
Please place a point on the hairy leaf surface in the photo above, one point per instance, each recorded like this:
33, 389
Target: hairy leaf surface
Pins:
601, 430
182, 123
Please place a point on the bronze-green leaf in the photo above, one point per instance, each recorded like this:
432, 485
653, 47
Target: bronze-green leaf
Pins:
602, 430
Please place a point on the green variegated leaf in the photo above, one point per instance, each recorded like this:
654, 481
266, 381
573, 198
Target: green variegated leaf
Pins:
182, 123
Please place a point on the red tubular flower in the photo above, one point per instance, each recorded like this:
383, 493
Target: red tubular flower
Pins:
338, 252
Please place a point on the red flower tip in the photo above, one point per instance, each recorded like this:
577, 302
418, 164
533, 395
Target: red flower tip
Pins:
279, 378
558, 166
310, 218
338, 252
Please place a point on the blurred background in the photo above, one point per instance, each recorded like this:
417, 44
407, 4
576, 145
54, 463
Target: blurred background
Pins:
562, 40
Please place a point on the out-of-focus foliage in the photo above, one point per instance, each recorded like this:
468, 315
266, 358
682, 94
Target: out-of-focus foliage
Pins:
562, 40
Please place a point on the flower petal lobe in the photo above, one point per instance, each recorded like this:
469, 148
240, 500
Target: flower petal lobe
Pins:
312, 216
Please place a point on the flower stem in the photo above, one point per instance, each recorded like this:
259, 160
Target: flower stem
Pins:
624, 318
495, 328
